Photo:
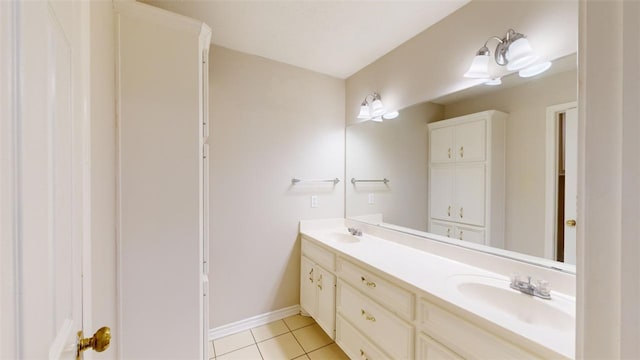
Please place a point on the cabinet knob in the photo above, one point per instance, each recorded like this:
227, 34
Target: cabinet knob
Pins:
367, 282
461, 152
449, 153
461, 234
449, 211
363, 355
320, 282
367, 316
571, 223
311, 275
448, 232
461, 212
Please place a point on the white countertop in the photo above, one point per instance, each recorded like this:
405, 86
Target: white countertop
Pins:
438, 276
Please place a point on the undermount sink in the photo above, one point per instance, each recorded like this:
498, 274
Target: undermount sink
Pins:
494, 293
343, 238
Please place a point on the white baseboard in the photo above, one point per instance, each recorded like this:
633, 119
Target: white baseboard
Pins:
252, 322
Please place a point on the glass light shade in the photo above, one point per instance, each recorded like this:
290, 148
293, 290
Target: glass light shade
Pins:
364, 112
479, 68
377, 119
391, 115
534, 70
377, 109
494, 82
520, 55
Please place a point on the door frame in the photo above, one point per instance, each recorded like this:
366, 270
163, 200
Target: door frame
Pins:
9, 237
551, 183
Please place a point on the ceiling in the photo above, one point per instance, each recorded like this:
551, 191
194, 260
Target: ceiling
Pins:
336, 38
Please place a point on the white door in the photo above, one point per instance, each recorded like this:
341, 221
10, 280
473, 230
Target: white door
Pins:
470, 141
441, 181
571, 185
469, 190
308, 298
326, 314
43, 170
441, 145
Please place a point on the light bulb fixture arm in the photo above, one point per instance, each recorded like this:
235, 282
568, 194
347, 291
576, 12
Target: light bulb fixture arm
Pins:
500, 53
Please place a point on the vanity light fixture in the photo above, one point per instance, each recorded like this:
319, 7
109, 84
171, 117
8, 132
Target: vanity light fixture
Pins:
534, 70
494, 82
373, 109
513, 51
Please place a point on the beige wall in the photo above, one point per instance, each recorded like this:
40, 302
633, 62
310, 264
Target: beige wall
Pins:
103, 160
525, 152
432, 63
270, 122
397, 150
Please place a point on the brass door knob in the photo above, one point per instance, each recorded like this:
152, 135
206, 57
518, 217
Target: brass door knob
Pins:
98, 342
571, 222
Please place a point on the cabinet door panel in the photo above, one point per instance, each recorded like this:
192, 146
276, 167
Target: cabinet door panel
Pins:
308, 298
441, 145
433, 350
443, 229
470, 194
441, 190
326, 289
470, 141
470, 234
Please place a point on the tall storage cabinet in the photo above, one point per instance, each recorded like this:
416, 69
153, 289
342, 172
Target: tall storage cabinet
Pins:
467, 178
162, 246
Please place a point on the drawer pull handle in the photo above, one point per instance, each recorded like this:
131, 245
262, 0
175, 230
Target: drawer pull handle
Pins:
449, 153
320, 282
461, 232
368, 316
461, 213
311, 275
449, 211
461, 152
448, 232
368, 283
363, 355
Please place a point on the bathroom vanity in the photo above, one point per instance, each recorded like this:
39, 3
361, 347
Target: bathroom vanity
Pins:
391, 295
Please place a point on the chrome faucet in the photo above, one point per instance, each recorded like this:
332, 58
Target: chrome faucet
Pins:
541, 290
355, 232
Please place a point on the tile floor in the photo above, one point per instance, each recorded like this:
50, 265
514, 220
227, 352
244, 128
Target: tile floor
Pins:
295, 337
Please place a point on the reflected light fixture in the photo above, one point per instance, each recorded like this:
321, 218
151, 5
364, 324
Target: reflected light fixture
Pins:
494, 82
372, 108
534, 70
513, 51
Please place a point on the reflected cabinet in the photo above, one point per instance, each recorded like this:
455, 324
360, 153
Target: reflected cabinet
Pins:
467, 178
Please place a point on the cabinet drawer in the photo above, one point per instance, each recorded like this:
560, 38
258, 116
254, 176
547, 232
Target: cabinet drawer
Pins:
388, 331
470, 234
465, 338
398, 299
354, 344
320, 256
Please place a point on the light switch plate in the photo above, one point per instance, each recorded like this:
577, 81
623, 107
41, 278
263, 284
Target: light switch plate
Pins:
314, 201
371, 199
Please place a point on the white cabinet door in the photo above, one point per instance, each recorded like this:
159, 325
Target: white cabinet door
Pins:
433, 350
470, 141
441, 183
308, 298
443, 229
469, 194
326, 301
467, 233
441, 147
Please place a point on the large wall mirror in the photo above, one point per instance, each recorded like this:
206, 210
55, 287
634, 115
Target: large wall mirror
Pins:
540, 147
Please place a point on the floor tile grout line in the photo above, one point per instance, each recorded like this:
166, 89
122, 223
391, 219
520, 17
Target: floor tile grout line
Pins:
256, 343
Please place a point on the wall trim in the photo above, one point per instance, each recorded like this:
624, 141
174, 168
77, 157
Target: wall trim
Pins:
252, 322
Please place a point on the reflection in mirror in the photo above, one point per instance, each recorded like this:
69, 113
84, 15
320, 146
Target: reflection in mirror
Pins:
540, 135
